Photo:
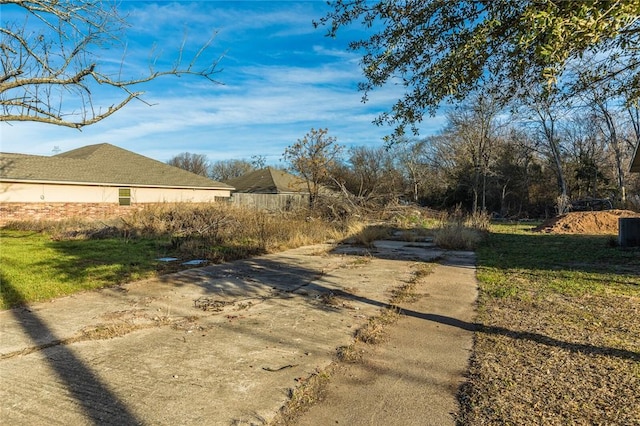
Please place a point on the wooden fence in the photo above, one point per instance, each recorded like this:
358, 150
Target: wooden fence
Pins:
271, 202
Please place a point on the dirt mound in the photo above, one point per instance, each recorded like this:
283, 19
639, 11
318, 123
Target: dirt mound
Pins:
588, 223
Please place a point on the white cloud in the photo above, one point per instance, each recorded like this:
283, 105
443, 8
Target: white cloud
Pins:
262, 108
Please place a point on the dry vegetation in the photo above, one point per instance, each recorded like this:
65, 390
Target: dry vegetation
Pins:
558, 340
75, 255
216, 232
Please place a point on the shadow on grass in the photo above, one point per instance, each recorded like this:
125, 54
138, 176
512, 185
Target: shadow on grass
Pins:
524, 335
99, 404
283, 277
557, 253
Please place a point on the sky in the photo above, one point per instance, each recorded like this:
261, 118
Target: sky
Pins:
278, 77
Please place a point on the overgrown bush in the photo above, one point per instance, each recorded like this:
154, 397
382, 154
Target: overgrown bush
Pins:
461, 232
217, 232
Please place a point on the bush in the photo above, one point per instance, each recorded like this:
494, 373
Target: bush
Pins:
217, 232
460, 232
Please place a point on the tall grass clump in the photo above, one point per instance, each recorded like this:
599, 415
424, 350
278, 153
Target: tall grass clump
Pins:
365, 235
221, 232
459, 232
217, 232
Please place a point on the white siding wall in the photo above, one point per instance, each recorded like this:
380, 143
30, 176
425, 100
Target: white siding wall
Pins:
54, 193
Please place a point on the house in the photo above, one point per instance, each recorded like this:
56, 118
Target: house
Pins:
269, 181
94, 181
270, 189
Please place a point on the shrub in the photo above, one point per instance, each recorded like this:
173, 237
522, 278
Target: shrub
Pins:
217, 232
461, 232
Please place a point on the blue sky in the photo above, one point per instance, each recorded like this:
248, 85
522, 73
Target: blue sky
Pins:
281, 77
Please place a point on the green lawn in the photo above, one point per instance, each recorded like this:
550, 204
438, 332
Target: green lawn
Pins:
558, 326
33, 267
559, 331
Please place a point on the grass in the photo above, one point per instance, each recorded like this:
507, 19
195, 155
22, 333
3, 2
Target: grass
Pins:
558, 339
559, 335
36, 268
43, 260
306, 393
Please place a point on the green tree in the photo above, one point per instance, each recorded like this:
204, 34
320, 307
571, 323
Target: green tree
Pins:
312, 157
442, 50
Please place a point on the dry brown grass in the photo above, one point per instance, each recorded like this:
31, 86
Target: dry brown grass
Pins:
350, 353
217, 232
455, 236
550, 363
458, 231
364, 235
309, 391
374, 331
558, 337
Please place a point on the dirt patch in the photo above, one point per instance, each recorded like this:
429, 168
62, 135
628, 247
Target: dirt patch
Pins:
588, 223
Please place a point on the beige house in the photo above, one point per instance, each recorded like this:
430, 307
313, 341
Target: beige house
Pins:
95, 180
270, 189
269, 181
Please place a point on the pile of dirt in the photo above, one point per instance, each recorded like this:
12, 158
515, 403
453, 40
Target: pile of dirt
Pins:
588, 223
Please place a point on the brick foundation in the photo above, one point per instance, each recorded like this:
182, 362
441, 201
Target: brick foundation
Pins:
58, 211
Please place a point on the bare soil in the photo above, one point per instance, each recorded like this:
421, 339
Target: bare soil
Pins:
588, 223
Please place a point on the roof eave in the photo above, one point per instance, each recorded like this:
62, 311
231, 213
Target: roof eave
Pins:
136, 185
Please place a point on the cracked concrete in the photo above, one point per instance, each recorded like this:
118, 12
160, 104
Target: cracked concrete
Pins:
219, 345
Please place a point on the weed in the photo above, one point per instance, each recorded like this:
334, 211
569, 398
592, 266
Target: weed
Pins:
366, 235
457, 236
373, 332
50, 259
349, 353
310, 391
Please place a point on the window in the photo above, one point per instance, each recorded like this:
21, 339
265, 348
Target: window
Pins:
124, 196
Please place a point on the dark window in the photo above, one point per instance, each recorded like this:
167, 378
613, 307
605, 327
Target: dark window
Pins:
124, 196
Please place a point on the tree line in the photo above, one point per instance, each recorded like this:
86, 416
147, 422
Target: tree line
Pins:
544, 96
536, 160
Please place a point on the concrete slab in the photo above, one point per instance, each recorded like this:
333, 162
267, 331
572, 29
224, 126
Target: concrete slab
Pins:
412, 378
224, 344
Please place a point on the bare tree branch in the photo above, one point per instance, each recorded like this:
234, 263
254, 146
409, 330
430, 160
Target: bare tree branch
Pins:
50, 68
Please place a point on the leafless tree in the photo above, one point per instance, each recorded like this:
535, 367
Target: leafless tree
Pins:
474, 125
194, 163
371, 175
413, 161
547, 108
223, 170
312, 157
51, 70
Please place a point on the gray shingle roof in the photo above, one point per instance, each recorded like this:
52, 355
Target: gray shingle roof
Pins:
268, 181
100, 164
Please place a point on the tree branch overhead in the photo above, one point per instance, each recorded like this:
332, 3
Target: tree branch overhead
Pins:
51, 69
